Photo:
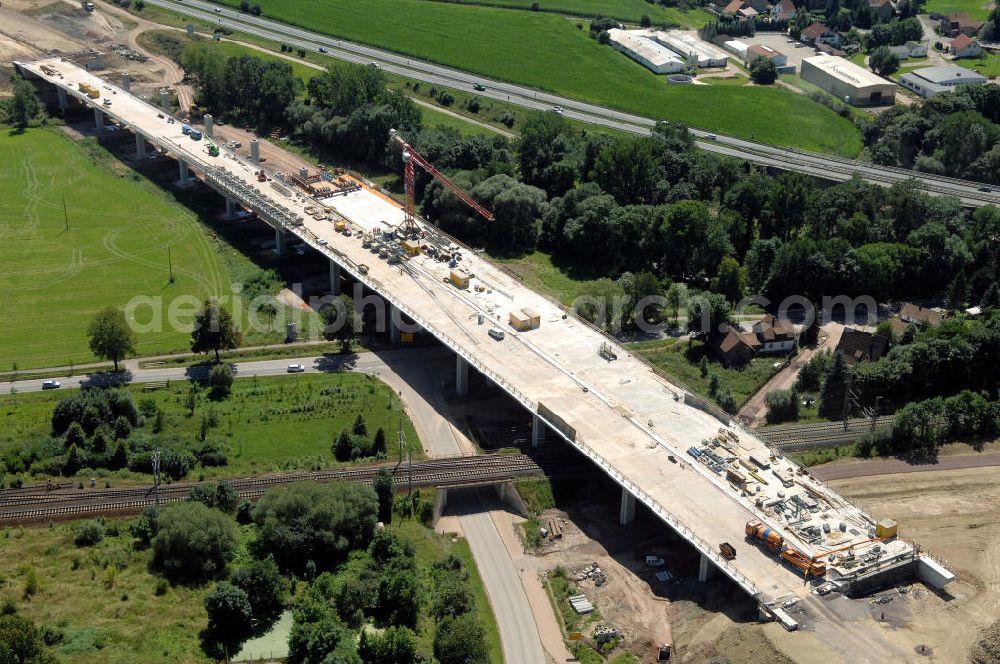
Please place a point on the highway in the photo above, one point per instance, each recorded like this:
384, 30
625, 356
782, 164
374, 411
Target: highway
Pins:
817, 165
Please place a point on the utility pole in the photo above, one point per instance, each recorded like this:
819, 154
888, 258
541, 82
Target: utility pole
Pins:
170, 265
847, 399
875, 415
156, 477
65, 214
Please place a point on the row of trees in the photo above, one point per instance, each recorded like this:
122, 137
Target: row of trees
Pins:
355, 444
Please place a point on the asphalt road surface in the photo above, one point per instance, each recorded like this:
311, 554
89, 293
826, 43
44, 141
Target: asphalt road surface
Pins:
843, 471
415, 375
824, 166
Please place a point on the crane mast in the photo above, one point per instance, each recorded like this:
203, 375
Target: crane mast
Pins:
411, 157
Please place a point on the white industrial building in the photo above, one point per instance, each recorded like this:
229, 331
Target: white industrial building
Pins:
931, 81
848, 82
738, 48
695, 51
644, 49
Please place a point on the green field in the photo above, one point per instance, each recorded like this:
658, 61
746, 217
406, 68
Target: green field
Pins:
266, 424
682, 361
626, 10
120, 230
539, 273
974, 8
551, 53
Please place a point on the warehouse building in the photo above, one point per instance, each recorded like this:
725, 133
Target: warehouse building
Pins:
931, 81
847, 81
641, 47
696, 52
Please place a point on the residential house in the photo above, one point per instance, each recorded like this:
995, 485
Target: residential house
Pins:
759, 6
783, 10
964, 46
747, 13
860, 346
914, 313
817, 33
898, 326
735, 348
774, 335
735, 6
910, 49
826, 49
960, 23
881, 8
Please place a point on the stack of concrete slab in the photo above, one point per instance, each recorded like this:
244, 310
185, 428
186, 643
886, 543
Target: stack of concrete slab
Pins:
581, 604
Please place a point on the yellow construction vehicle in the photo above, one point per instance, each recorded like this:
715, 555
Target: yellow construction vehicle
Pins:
770, 537
805, 564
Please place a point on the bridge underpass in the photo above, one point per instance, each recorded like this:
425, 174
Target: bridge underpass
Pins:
636, 425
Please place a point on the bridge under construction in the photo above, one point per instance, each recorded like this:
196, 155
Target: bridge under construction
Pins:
687, 462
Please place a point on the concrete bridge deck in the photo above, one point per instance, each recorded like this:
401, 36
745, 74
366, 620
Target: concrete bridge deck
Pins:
622, 414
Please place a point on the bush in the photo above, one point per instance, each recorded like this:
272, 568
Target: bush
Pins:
461, 641
782, 406
763, 71
88, 533
193, 542
221, 381
446, 98
229, 619
308, 521
264, 586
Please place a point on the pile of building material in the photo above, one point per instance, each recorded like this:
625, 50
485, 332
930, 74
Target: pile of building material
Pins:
605, 633
125, 53
581, 604
592, 571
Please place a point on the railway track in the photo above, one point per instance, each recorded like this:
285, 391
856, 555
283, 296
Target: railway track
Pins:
795, 437
35, 504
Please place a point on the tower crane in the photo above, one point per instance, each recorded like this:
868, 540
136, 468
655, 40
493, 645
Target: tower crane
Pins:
411, 156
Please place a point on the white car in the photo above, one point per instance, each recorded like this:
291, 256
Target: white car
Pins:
296, 368
50, 384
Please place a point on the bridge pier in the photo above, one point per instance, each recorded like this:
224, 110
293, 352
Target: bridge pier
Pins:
140, 146
335, 278
61, 94
279, 241
99, 120
127, 82
395, 318
182, 173
626, 514
537, 431
706, 569
461, 376
230, 209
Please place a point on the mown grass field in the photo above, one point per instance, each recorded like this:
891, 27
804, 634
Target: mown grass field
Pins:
974, 8
625, 10
266, 424
541, 274
120, 230
549, 52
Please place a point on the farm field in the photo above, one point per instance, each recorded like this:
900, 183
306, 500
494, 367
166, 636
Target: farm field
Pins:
554, 55
625, 10
975, 8
266, 424
115, 248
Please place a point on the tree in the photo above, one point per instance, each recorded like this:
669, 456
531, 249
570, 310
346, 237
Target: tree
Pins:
74, 460
320, 522
110, 335
394, 645
221, 380
708, 313
342, 321
645, 21
461, 640
763, 71
883, 61
214, 330
378, 443
729, 281
88, 533
383, 485
222, 496
360, 427
342, 446
831, 401
24, 105
193, 542
21, 642
264, 586
229, 618
676, 298
782, 406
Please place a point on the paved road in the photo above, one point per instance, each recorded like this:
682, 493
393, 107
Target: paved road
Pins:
415, 374
843, 471
825, 166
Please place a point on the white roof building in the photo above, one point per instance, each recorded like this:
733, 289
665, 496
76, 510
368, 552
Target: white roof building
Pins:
737, 47
641, 47
931, 81
698, 52
847, 81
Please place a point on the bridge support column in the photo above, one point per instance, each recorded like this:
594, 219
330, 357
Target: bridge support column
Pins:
626, 514
140, 146
230, 209
395, 318
99, 120
461, 376
706, 569
182, 173
537, 431
61, 93
279, 241
335, 278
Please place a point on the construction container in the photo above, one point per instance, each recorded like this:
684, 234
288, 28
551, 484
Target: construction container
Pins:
406, 337
340, 225
524, 319
195, 135
412, 247
94, 94
885, 528
534, 320
185, 129
736, 478
460, 277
